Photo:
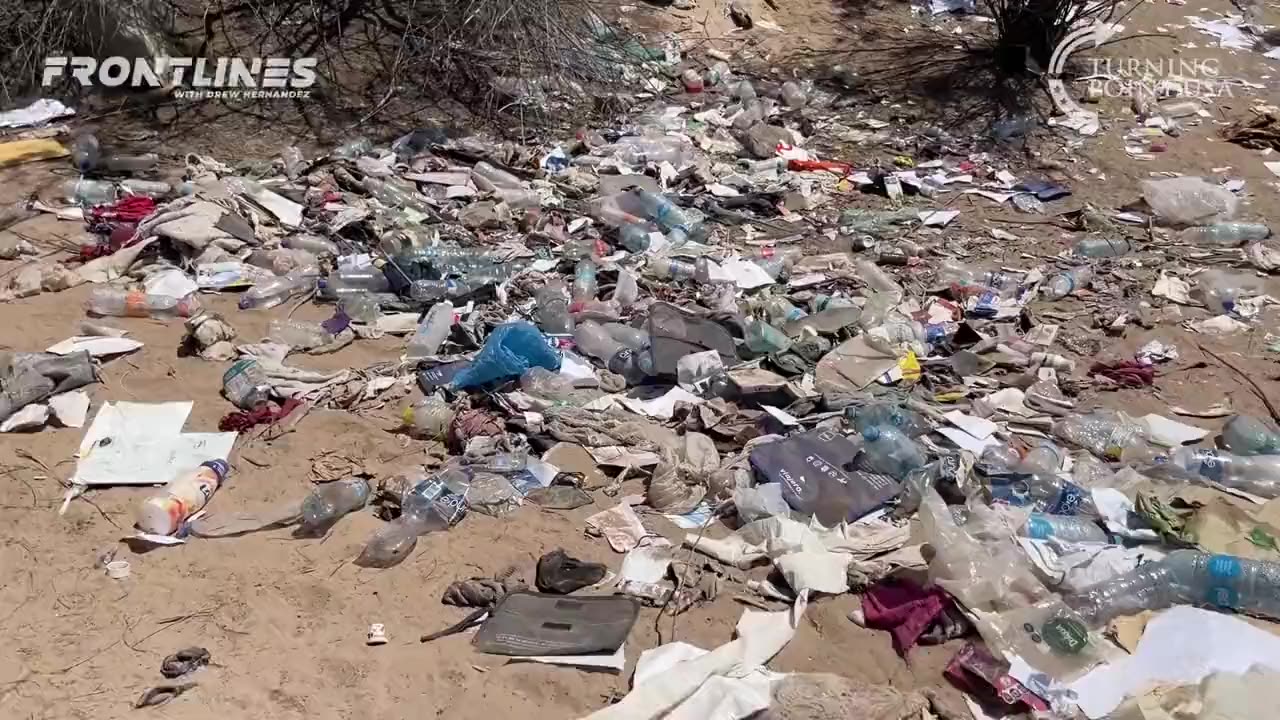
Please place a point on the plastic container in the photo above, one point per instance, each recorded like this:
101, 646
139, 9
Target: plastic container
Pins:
553, 309
1220, 290
627, 291
585, 285
1255, 474
630, 337
108, 301
1072, 528
276, 291
245, 385
361, 308
328, 503
640, 150
659, 209
300, 335
910, 423
666, 268
876, 279
352, 149
436, 290
634, 236
763, 339
1067, 282
87, 193
781, 311
432, 332
1102, 248
130, 163
164, 512
146, 188
397, 197
1109, 434
594, 340
489, 178
429, 418
1246, 435
887, 450
1226, 234
311, 243
1189, 201
965, 281
1185, 577
427, 507
85, 152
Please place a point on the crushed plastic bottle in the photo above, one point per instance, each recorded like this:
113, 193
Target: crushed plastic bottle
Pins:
780, 311
296, 334
429, 506
130, 163
593, 340
164, 512
585, 285
269, 294
432, 332
1221, 290
1189, 200
85, 153
361, 308
1255, 474
909, 422
353, 149
313, 244
1247, 435
246, 385
877, 279
965, 281
1109, 434
634, 236
429, 418
659, 209
631, 337
887, 450
1067, 282
553, 309
764, 339
1071, 528
793, 95
1225, 234
627, 291
666, 268
1102, 248
328, 503
87, 193
1186, 577
109, 301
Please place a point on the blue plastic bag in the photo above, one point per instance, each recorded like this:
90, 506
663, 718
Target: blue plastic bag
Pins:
508, 352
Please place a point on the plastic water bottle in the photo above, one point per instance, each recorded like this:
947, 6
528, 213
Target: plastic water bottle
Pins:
429, 418
1225, 234
1109, 434
1185, 577
108, 301
245, 385
1247, 435
662, 211
301, 335
428, 506
1072, 528
631, 337
627, 291
85, 152
887, 450
592, 339
313, 244
1102, 248
780, 311
584, 281
130, 163
276, 290
326, 505
363, 278
87, 193
965, 281
361, 308
1067, 282
762, 338
553, 309
1220, 290
164, 512
634, 236
432, 332
875, 278
1255, 474
436, 290
665, 268
353, 149
910, 423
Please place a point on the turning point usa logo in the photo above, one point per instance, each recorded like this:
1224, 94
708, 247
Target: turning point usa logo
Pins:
191, 78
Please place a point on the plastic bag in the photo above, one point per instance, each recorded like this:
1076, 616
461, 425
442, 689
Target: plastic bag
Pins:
1189, 201
508, 352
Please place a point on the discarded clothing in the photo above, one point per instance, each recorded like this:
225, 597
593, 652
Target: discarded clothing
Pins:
264, 414
1127, 373
905, 609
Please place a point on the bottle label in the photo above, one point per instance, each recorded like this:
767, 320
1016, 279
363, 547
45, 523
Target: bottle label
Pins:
1065, 635
1211, 465
1224, 571
1010, 489
135, 304
1069, 500
1038, 528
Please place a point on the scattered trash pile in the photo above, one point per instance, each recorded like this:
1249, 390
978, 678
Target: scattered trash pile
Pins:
671, 318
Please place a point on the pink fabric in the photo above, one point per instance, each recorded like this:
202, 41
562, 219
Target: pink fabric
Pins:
904, 609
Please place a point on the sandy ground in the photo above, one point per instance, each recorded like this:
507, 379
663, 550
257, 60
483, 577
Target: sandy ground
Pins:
285, 619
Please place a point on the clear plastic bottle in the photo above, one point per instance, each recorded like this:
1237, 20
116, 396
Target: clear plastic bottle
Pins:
489, 178
361, 308
763, 339
630, 337
436, 290
910, 423
394, 196
293, 161
1220, 290
793, 95
301, 335
1072, 528
352, 149
87, 193
1067, 282
1109, 434
965, 281
428, 506
276, 290
585, 285
146, 188
246, 385
553, 309
887, 450
1255, 474
1225, 234
634, 236
1185, 577
780, 311
661, 210
593, 340
1102, 248
164, 512
432, 332
1247, 435
640, 150
313, 244
109, 301
627, 290
328, 503
666, 268
85, 152
876, 279
130, 163
429, 418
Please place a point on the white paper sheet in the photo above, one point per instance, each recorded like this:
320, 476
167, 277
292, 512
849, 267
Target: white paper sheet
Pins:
965, 441
1171, 433
38, 112
143, 444
978, 427
97, 346
1179, 647
662, 407
746, 274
